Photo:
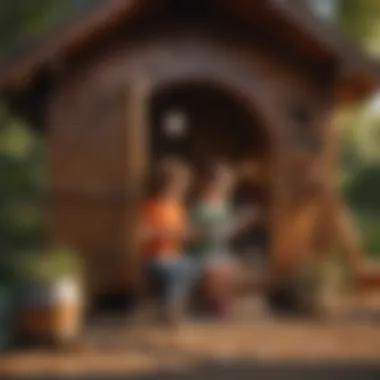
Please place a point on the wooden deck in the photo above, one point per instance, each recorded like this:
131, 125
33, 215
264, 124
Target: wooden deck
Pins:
115, 348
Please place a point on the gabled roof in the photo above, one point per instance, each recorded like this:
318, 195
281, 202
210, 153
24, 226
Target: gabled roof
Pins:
291, 22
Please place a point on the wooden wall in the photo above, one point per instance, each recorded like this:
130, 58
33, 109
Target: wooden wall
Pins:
98, 108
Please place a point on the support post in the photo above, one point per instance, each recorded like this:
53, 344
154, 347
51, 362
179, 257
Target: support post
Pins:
136, 158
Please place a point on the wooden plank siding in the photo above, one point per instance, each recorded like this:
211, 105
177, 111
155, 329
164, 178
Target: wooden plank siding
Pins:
95, 134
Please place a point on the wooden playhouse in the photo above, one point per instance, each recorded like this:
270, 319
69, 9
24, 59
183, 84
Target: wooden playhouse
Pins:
258, 83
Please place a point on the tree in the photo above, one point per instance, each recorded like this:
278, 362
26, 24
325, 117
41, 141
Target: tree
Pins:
23, 178
23, 22
359, 19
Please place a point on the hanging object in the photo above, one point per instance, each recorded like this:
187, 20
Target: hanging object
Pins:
175, 124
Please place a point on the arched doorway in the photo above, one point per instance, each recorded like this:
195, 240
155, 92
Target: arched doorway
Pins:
199, 121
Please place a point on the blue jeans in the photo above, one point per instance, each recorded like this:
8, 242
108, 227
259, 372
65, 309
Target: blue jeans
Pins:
173, 279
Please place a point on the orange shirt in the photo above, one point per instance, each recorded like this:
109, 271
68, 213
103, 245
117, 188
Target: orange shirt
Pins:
164, 215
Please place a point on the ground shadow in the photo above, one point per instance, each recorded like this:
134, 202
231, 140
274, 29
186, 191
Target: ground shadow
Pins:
247, 370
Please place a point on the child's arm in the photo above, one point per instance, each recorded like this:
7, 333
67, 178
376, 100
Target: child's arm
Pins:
194, 235
244, 221
154, 232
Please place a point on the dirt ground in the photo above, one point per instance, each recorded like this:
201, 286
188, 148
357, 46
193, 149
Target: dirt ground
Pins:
350, 332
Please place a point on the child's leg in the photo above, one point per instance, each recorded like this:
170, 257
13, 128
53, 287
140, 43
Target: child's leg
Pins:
181, 275
156, 278
166, 277
157, 282
174, 279
221, 284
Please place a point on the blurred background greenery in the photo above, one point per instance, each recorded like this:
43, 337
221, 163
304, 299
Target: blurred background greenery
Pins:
22, 156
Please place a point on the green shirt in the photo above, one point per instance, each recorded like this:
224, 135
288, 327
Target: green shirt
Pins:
213, 219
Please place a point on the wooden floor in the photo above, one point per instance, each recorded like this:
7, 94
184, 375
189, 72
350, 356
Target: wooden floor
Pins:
115, 348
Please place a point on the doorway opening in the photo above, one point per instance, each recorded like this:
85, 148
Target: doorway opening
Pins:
201, 123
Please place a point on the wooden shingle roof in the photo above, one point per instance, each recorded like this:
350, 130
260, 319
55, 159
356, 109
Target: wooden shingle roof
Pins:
292, 23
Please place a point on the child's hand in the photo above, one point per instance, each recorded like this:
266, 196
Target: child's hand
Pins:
245, 220
172, 231
191, 234
250, 215
197, 235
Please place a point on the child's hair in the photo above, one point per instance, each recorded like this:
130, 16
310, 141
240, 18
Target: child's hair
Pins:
218, 172
167, 172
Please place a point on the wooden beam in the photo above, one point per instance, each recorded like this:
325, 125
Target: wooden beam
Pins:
136, 159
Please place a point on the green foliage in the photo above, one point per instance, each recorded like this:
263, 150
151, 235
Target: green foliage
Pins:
360, 153
23, 22
23, 177
369, 225
46, 266
7, 271
359, 19
363, 190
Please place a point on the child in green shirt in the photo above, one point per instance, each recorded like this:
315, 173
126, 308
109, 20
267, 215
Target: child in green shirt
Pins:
213, 216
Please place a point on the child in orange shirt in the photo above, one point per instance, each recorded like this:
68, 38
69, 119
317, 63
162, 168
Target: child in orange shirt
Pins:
164, 232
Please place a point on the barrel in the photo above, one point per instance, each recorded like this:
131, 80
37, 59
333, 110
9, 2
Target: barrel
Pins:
52, 311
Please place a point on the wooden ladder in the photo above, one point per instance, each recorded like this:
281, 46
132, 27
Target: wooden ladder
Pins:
366, 274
